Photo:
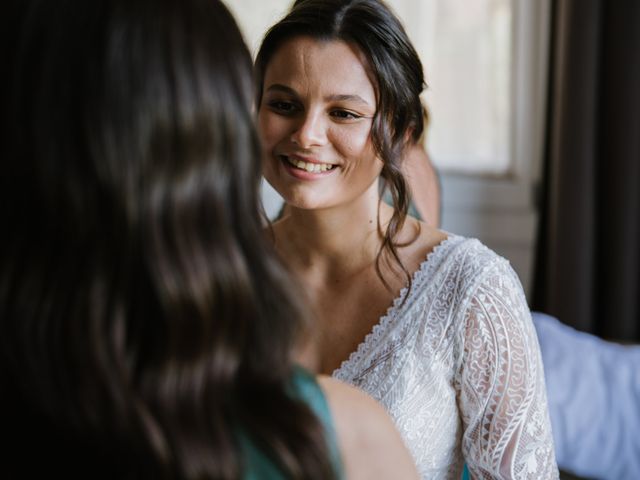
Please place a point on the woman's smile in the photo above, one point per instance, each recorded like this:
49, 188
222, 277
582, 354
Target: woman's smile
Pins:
309, 164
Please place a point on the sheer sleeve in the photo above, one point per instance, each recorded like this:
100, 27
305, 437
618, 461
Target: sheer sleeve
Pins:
501, 389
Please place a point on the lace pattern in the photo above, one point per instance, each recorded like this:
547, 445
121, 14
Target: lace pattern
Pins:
458, 367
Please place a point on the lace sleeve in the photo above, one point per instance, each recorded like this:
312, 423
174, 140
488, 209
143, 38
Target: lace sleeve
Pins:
502, 397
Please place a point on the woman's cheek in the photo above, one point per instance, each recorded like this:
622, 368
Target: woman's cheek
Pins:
352, 143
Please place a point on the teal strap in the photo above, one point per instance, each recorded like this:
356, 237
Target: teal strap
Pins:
257, 465
465, 473
305, 388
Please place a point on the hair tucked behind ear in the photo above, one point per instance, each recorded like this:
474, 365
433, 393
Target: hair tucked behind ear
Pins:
144, 321
397, 76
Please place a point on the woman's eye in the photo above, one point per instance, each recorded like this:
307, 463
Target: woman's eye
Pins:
345, 115
283, 107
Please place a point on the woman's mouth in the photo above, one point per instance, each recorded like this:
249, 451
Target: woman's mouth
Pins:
307, 166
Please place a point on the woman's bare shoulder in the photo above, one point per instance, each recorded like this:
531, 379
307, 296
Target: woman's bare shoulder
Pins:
370, 444
419, 240
430, 237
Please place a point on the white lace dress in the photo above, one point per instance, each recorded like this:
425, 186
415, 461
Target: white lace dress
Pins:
458, 367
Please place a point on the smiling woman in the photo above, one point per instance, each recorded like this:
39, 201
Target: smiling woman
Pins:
433, 325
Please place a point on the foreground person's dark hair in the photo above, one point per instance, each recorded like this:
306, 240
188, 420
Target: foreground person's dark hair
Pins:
143, 319
397, 77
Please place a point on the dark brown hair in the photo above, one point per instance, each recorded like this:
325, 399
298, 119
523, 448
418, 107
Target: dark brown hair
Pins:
144, 321
376, 31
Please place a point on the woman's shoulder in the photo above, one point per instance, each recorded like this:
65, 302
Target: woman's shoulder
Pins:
459, 272
461, 257
370, 444
488, 291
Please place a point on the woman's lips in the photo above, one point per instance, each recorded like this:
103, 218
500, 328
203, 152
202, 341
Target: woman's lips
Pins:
305, 168
310, 165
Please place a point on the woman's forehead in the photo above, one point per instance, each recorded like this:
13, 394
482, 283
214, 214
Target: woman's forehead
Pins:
304, 61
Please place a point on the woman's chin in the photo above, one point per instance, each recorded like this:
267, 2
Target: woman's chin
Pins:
308, 205
302, 197
307, 202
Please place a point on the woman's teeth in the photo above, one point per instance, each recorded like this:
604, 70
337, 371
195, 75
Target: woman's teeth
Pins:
310, 167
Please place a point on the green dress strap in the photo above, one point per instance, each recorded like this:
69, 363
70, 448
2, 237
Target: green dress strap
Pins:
304, 387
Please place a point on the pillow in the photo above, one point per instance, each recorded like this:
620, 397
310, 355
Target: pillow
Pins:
593, 388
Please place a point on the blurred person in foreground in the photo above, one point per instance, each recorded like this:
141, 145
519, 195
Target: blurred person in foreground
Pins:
146, 328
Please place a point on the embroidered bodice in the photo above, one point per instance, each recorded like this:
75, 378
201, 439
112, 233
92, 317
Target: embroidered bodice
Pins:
458, 367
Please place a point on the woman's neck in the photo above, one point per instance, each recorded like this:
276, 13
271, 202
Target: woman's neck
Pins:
335, 241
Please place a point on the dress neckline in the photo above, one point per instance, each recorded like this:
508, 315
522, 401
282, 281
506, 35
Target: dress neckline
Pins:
385, 321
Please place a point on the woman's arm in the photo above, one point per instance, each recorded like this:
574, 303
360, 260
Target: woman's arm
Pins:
502, 395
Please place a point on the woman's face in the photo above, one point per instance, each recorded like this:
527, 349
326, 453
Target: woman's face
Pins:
315, 120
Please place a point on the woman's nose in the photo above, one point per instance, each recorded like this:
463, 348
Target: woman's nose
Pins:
310, 131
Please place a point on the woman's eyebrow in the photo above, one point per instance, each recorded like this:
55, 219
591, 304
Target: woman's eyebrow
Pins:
347, 98
278, 87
